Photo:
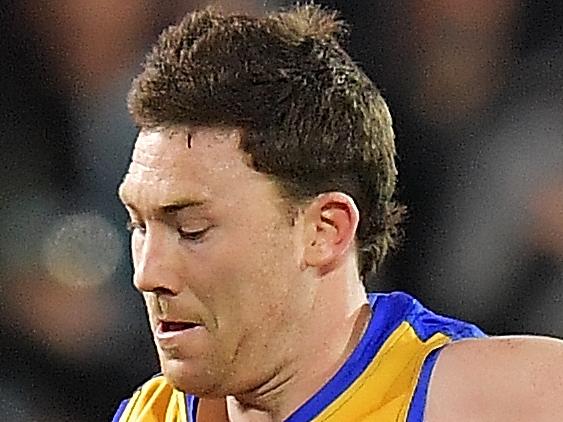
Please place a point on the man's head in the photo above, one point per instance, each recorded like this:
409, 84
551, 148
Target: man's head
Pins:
311, 118
260, 141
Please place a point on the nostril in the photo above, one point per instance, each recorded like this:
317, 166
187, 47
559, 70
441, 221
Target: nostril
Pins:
162, 291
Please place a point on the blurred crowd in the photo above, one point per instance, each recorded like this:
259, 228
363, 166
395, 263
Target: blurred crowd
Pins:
476, 91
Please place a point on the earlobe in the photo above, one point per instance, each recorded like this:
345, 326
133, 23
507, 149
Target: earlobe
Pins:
331, 223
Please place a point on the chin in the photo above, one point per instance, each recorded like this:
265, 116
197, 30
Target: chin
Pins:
200, 382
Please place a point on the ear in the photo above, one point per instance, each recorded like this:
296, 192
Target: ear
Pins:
330, 226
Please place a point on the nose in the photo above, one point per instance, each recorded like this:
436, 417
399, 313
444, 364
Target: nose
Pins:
156, 260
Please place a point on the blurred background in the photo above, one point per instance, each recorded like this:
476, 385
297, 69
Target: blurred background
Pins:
475, 88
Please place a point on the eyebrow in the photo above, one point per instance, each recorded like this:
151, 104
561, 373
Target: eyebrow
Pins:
178, 205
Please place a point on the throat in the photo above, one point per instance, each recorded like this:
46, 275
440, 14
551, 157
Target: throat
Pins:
237, 412
229, 410
268, 401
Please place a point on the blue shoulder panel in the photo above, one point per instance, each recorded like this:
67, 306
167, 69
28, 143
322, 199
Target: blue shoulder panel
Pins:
426, 323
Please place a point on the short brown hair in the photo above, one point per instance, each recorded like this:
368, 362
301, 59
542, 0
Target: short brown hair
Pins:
311, 118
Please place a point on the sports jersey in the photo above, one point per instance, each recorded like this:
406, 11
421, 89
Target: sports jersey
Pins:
385, 379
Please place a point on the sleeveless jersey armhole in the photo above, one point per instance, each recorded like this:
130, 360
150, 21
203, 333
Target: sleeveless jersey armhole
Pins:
191, 407
418, 402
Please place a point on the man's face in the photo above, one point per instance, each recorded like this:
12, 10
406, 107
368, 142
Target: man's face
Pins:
216, 259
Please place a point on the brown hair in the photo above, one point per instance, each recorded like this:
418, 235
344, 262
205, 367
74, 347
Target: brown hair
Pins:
311, 118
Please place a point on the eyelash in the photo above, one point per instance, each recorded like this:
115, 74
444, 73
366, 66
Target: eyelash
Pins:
186, 235
132, 226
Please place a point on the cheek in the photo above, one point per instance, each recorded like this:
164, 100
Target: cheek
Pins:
264, 270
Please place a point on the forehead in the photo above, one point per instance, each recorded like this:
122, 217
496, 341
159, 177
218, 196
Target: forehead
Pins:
196, 164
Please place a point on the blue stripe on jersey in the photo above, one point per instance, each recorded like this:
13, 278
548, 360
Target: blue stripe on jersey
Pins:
120, 410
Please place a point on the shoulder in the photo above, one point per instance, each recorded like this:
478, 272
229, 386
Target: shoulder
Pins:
156, 398
516, 378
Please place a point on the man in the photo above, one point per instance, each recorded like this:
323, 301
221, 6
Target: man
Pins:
261, 194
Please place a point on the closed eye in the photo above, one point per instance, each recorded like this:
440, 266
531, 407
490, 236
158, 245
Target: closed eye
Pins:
192, 235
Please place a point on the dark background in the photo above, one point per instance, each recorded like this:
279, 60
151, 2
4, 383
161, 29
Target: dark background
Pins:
475, 90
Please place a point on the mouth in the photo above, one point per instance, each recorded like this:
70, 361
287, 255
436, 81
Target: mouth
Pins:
170, 335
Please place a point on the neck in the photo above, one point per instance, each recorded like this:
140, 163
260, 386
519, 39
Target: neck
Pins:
339, 316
